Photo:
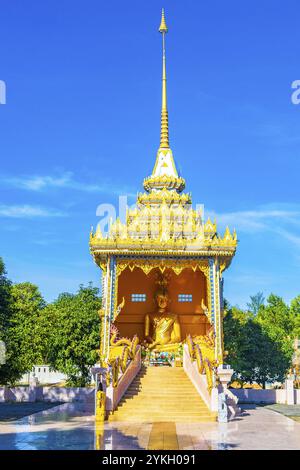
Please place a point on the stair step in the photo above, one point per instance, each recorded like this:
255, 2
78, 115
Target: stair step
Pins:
156, 401
155, 393
162, 395
160, 418
179, 384
163, 406
162, 383
159, 390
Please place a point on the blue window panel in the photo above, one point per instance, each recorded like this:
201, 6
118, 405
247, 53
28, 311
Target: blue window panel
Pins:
185, 298
138, 297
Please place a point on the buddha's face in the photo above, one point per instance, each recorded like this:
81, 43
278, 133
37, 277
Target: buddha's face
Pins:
162, 301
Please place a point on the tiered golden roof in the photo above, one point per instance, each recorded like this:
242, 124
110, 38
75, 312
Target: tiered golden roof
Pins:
163, 228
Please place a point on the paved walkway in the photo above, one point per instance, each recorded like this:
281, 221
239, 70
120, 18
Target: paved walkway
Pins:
71, 426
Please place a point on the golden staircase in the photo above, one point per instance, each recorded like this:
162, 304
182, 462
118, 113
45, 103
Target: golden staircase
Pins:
162, 394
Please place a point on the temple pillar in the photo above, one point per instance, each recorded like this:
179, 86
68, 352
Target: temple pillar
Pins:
103, 317
215, 288
108, 307
221, 289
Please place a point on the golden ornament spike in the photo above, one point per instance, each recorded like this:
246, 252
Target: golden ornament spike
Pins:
163, 27
164, 127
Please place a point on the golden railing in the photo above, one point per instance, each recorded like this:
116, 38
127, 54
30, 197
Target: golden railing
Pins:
203, 352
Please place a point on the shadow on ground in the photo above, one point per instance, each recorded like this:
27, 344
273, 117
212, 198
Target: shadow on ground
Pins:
14, 411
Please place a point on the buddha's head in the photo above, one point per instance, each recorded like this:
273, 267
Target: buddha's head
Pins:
161, 295
162, 300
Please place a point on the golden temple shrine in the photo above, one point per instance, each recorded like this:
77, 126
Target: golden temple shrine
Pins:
162, 268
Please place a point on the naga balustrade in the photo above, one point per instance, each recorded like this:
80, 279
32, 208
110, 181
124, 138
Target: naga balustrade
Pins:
195, 372
209, 378
124, 368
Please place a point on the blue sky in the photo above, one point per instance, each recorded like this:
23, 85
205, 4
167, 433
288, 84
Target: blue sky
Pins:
81, 125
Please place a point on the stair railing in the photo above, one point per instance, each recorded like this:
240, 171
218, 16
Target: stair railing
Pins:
123, 370
194, 368
204, 378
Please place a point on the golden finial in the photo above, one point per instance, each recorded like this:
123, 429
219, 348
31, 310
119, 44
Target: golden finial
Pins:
164, 127
163, 27
164, 175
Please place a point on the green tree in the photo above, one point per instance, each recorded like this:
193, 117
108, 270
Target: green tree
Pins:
256, 301
269, 362
259, 347
5, 300
277, 322
5, 314
238, 343
74, 340
295, 313
23, 341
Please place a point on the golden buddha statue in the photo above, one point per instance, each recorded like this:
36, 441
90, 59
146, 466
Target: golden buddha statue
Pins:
163, 325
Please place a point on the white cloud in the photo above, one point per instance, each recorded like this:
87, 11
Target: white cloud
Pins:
37, 183
27, 212
295, 239
282, 220
259, 219
65, 180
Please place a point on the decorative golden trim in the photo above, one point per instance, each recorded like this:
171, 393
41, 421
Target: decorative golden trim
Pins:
146, 265
164, 196
222, 266
164, 182
103, 267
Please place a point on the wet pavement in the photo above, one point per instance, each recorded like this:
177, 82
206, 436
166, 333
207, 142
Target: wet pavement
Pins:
71, 426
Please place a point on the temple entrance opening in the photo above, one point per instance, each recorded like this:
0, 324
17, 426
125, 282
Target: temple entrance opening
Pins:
162, 308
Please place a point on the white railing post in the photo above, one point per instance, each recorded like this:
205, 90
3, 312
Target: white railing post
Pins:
225, 373
289, 390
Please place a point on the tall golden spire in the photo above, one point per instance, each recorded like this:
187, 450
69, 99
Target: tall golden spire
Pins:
164, 127
164, 174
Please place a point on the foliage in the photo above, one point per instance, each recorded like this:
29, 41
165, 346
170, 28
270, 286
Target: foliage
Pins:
64, 334
260, 346
5, 316
256, 301
22, 334
74, 335
295, 312
237, 342
277, 322
5, 300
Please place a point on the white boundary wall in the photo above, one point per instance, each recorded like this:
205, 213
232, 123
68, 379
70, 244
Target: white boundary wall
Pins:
250, 395
44, 374
47, 394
